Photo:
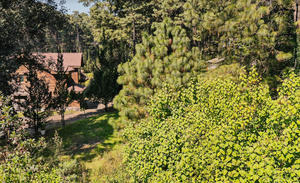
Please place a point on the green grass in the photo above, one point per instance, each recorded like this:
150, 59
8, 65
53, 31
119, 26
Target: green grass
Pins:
97, 144
90, 75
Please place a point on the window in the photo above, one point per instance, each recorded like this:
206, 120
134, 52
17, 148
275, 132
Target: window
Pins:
19, 97
22, 78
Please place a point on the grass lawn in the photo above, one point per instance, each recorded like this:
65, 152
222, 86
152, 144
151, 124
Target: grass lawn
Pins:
97, 144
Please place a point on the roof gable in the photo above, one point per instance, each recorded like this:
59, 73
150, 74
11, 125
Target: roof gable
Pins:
71, 60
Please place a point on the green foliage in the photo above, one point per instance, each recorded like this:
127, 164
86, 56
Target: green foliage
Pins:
22, 26
103, 86
260, 33
168, 8
164, 57
8, 118
217, 130
26, 160
28, 163
38, 102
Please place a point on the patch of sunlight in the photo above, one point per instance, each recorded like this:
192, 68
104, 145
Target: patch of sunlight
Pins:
97, 144
100, 161
102, 118
20, 115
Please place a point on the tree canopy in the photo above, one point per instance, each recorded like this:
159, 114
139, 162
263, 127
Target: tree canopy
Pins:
165, 56
22, 27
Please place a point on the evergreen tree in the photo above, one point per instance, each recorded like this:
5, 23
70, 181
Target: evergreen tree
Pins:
260, 33
38, 103
104, 87
168, 8
106, 16
22, 27
62, 96
137, 19
164, 57
203, 20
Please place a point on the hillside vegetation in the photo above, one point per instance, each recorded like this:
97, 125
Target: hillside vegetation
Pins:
218, 130
206, 91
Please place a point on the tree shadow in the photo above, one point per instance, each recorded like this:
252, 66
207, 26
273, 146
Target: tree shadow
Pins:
57, 123
87, 138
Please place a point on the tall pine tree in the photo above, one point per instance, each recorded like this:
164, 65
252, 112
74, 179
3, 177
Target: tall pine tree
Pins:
260, 33
38, 103
103, 87
165, 56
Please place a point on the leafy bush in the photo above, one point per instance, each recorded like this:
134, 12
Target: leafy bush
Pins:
110, 168
217, 130
38, 162
27, 160
8, 119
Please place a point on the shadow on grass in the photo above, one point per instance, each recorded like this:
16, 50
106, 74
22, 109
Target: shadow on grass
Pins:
87, 138
57, 123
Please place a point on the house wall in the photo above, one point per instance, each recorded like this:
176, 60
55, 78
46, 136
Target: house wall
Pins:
49, 78
22, 70
74, 106
74, 76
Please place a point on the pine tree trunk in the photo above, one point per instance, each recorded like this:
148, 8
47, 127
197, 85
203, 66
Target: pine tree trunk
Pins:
62, 115
105, 107
297, 38
133, 36
56, 41
36, 128
78, 43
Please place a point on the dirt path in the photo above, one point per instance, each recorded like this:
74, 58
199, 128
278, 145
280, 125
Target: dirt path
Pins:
54, 121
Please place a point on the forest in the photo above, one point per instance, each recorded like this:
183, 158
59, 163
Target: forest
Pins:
202, 91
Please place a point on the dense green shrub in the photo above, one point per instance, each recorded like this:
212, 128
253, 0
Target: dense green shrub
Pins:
39, 161
217, 130
8, 119
23, 159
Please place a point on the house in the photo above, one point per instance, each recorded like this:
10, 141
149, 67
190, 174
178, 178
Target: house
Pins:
72, 64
